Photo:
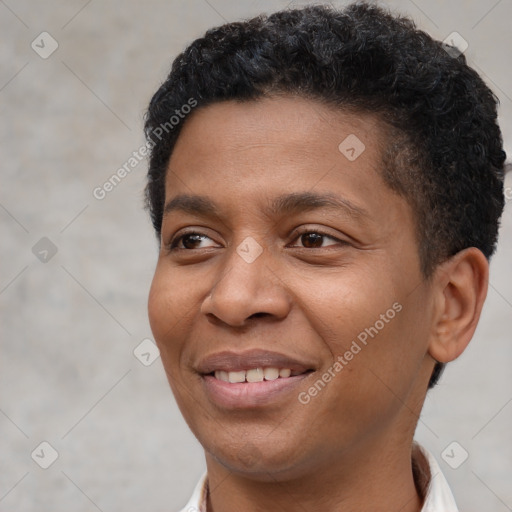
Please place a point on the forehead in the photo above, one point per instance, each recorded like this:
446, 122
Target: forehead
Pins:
282, 136
303, 125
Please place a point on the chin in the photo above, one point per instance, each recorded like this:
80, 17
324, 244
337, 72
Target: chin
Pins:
258, 459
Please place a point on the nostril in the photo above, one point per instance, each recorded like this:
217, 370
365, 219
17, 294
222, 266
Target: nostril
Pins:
258, 315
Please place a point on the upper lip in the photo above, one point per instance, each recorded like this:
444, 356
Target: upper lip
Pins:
255, 358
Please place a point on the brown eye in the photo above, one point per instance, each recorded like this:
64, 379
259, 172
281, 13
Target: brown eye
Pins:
188, 241
315, 239
312, 240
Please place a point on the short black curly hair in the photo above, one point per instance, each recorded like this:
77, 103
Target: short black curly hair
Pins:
444, 152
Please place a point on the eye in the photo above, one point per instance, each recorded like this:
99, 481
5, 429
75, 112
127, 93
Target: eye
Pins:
313, 239
188, 241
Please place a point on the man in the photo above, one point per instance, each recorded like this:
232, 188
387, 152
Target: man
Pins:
326, 187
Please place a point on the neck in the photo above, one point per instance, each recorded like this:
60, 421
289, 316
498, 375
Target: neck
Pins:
357, 480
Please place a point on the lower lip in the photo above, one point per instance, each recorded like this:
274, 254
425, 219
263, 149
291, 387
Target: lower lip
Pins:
248, 395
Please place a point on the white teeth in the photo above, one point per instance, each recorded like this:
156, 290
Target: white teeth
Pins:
236, 376
252, 375
255, 375
271, 373
222, 375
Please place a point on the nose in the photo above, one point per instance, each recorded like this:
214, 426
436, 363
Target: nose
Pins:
247, 289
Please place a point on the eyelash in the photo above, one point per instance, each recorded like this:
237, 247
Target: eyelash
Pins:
175, 241
318, 232
172, 246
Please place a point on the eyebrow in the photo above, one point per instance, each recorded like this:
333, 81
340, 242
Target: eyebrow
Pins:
287, 204
193, 205
307, 201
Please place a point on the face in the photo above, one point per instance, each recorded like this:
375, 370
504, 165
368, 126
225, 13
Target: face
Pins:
288, 302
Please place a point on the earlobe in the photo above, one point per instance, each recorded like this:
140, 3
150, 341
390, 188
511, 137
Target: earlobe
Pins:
460, 285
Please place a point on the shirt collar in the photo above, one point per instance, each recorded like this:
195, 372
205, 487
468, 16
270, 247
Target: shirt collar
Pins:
429, 480
438, 496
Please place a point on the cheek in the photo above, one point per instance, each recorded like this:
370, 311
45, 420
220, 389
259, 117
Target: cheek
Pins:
164, 312
157, 306
174, 304
369, 319
165, 309
348, 303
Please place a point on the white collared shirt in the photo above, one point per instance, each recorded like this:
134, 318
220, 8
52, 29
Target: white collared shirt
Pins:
438, 497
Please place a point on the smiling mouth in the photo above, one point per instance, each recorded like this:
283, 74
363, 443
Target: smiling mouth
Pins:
254, 388
255, 374
252, 379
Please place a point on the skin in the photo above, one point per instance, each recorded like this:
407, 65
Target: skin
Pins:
349, 448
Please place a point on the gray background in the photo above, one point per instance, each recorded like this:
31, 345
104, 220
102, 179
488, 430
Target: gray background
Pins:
70, 325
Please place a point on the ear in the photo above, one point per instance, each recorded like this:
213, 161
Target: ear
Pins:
460, 285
